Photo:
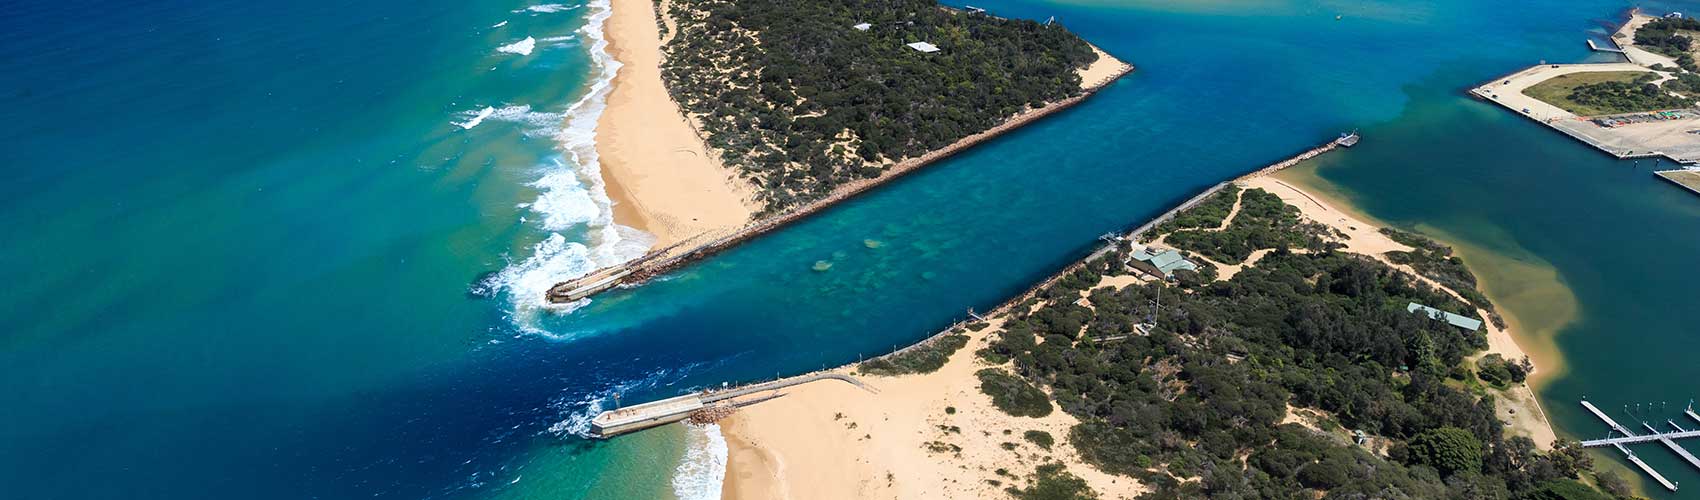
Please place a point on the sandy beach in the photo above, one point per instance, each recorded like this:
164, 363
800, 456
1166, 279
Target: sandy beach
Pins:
831, 440
658, 171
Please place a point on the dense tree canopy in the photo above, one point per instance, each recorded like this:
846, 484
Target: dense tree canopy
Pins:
800, 102
1447, 449
1201, 387
1662, 35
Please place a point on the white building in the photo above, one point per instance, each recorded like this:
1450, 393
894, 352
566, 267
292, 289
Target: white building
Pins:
862, 27
924, 47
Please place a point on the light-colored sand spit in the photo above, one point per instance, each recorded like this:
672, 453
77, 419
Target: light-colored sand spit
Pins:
658, 171
1102, 71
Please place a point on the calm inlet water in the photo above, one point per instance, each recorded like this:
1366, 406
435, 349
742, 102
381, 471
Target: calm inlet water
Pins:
286, 250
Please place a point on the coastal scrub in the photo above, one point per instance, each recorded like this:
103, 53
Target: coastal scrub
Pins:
802, 97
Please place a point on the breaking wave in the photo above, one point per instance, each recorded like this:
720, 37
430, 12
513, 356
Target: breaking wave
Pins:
522, 47
577, 410
475, 117
572, 199
703, 468
548, 8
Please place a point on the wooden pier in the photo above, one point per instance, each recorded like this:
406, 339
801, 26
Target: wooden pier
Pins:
705, 406
1629, 437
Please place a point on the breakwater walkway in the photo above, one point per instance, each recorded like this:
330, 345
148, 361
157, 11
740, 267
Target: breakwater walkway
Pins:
703, 406
661, 261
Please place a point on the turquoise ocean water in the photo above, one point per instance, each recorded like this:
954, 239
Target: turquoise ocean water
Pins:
281, 250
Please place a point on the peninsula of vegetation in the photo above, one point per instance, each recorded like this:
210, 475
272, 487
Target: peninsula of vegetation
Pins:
728, 119
1259, 344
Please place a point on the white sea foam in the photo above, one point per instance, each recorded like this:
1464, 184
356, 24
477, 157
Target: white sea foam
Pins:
500, 24
703, 467
572, 197
534, 123
475, 117
522, 47
578, 410
548, 8
558, 41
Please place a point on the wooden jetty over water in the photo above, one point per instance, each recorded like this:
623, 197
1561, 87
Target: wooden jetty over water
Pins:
1629, 437
702, 407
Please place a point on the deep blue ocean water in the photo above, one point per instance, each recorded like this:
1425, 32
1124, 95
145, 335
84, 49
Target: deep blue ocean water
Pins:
252, 249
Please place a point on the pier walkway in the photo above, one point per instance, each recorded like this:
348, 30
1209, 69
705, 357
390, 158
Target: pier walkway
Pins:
1668, 440
1597, 48
708, 403
1628, 437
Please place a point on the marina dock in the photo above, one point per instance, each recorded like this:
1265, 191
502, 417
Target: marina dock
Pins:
705, 406
1597, 48
1629, 437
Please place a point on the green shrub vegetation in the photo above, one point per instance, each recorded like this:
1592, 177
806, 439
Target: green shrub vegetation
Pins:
1436, 262
1606, 93
1264, 221
1496, 370
1041, 438
1687, 83
1209, 213
1447, 449
1053, 482
1013, 395
798, 102
1661, 35
925, 358
1194, 408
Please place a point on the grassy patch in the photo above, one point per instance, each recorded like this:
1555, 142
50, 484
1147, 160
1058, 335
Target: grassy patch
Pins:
1598, 93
